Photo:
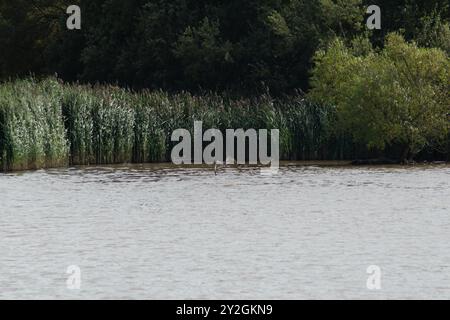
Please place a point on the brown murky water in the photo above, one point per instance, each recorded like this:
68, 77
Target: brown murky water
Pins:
162, 232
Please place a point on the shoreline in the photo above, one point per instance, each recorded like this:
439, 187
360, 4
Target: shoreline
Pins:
283, 164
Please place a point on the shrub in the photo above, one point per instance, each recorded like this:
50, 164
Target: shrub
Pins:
396, 97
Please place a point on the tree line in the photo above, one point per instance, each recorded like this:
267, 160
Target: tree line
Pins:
244, 46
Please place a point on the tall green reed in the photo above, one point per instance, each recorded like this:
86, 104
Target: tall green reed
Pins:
32, 131
47, 123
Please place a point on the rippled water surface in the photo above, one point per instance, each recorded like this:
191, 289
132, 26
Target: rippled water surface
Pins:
161, 232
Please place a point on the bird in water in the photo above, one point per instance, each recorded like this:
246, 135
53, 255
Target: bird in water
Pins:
217, 163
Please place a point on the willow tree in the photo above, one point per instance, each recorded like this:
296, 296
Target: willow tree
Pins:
395, 97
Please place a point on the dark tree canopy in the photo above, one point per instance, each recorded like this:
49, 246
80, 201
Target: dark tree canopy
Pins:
241, 45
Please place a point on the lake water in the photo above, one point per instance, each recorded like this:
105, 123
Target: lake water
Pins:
157, 232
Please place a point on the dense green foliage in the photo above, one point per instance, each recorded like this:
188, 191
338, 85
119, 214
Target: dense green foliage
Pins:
246, 64
48, 124
45, 123
32, 133
426, 22
399, 96
244, 46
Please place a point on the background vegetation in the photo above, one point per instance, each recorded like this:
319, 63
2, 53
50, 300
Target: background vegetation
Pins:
244, 46
139, 69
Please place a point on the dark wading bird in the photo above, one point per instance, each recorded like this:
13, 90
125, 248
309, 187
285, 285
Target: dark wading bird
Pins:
217, 163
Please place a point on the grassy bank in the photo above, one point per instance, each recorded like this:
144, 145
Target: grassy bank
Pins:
47, 124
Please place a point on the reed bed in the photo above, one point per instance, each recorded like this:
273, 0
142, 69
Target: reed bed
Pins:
48, 124
32, 132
